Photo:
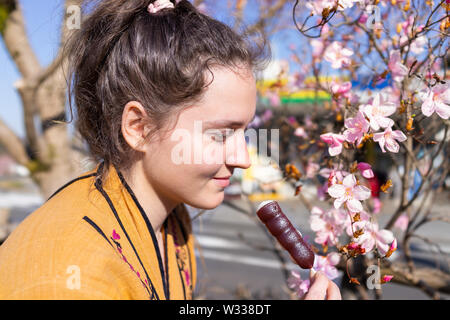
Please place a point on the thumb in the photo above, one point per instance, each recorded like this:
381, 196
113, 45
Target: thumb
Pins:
312, 274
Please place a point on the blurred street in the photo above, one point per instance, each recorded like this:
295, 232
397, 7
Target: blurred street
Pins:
231, 262
228, 263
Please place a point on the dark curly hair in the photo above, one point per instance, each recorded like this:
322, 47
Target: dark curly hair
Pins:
123, 53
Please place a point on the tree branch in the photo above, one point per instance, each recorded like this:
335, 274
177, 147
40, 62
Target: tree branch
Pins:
13, 144
264, 18
17, 44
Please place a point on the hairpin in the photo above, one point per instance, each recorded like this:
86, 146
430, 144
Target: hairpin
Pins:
159, 5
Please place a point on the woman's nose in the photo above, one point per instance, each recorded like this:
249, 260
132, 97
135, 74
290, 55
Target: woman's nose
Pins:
237, 152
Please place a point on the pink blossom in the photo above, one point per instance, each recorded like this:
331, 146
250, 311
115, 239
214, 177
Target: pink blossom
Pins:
327, 264
373, 237
365, 169
398, 70
334, 141
327, 225
402, 222
296, 283
341, 89
378, 111
364, 17
407, 25
311, 169
359, 225
322, 191
392, 94
386, 278
335, 174
337, 55
436, 99
350, 193
417, 44
392, 248
346, 4
317, 48
357, 127
377, 204
389, 139
300, 132
317, 6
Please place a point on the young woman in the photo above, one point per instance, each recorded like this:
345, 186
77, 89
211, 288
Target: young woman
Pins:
159, 89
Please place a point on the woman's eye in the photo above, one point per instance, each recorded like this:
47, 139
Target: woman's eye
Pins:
221, 136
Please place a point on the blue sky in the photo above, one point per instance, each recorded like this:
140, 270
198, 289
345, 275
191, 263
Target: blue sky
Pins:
43, 19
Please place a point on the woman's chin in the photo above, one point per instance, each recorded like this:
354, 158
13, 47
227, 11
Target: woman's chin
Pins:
209, 201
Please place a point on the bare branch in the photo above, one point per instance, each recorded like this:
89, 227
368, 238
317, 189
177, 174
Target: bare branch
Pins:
13, 144
263, 21
17, 44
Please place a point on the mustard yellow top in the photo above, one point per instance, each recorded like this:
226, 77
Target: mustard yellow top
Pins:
93, 240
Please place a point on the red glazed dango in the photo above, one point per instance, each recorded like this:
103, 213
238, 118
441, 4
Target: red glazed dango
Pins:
270, 213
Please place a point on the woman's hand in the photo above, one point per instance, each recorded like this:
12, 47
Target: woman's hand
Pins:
322, 288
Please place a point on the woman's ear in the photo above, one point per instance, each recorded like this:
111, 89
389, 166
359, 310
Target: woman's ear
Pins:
135, 125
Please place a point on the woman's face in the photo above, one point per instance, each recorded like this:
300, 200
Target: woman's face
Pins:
192, 162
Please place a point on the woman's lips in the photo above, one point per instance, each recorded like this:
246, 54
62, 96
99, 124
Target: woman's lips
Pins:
222, 182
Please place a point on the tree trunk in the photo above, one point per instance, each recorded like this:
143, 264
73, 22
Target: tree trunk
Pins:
47, 150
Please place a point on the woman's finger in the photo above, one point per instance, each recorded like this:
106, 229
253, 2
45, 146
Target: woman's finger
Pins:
318, 287
333, 292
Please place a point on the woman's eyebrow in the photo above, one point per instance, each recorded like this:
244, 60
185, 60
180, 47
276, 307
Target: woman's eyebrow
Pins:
223, 124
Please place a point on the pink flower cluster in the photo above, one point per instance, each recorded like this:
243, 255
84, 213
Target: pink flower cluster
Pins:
348, 194
369, 116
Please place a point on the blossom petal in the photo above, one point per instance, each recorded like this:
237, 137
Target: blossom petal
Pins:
349, 181
316, 211
366, 241
385, 236
428, 107
335, 150
379, 137
333, 258
443, 110
399, 135
366, 170
374, 123
384, 122
392, 145
361, 193
316, 223
388, 108
383, 248
327, 138
354, 205
338, 202
336, 190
